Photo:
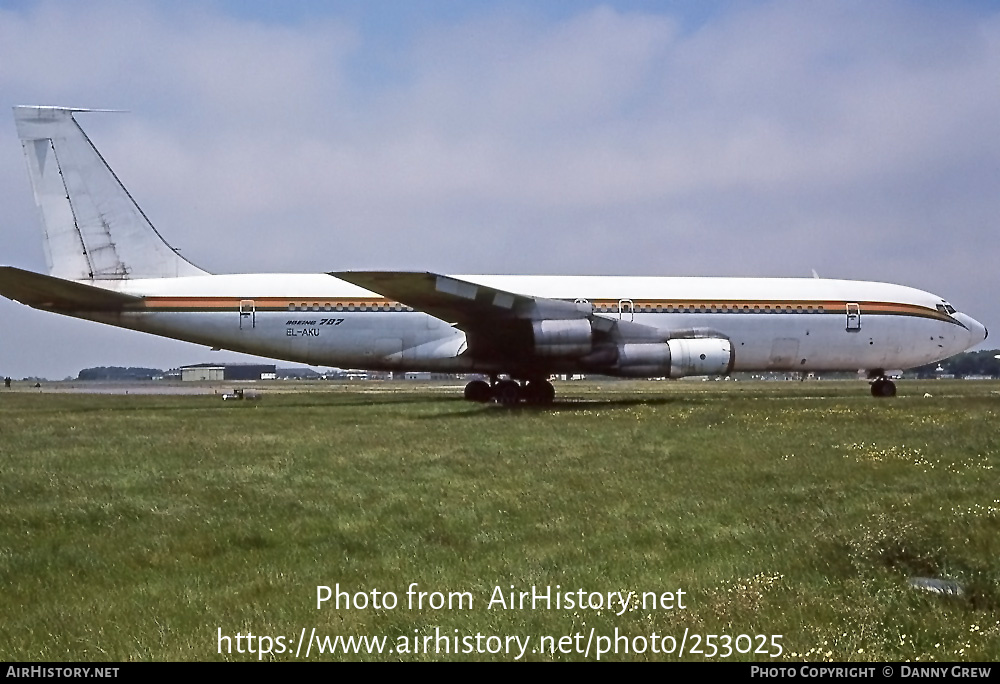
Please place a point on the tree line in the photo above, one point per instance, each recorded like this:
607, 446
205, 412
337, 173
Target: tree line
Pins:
983, 362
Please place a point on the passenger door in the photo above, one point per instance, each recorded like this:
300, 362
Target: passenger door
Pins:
853, 317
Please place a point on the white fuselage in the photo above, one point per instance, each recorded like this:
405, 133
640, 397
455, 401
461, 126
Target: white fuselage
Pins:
772, 323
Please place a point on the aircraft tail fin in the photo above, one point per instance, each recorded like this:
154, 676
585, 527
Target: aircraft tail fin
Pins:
92, 228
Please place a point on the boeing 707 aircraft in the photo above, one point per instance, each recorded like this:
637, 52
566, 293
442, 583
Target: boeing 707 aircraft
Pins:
108, 264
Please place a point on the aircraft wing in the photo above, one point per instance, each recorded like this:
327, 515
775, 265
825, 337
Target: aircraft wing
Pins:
47, 292
498, 324
468, 306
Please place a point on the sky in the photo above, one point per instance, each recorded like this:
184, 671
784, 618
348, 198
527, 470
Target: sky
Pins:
858, 139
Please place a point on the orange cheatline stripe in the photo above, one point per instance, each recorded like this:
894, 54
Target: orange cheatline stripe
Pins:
306, 304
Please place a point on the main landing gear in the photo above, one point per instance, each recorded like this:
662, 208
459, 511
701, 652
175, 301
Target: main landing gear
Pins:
882, 386
537, 392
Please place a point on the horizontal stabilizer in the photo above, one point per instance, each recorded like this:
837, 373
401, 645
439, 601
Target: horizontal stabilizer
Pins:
47, 292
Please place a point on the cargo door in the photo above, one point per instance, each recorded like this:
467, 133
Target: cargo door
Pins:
784, 354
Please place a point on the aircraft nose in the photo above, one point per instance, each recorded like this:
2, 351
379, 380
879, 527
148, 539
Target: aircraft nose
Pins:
977, 331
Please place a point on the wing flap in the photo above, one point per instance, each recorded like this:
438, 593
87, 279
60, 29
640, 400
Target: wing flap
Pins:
469, 306
48, 292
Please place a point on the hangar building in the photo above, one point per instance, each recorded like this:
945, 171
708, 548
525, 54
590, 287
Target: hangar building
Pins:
231, 371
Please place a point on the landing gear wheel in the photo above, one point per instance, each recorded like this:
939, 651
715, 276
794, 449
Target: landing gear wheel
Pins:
883, 387
539, 392
478, 390
507, 393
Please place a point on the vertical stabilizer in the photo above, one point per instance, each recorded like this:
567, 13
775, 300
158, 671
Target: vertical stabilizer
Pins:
93, 229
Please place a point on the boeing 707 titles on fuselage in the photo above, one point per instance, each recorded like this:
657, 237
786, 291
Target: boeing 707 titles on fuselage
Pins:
108, 264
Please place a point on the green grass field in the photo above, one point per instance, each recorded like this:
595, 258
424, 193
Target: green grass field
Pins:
138, 527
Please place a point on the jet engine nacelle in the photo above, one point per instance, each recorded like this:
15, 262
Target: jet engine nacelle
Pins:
563, 338
676, 358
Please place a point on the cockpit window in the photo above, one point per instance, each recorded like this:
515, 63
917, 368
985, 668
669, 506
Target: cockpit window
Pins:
946, 308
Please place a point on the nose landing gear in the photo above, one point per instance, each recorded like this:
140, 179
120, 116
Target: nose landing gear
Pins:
883, 387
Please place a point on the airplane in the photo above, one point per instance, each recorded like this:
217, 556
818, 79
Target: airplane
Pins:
107, 263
